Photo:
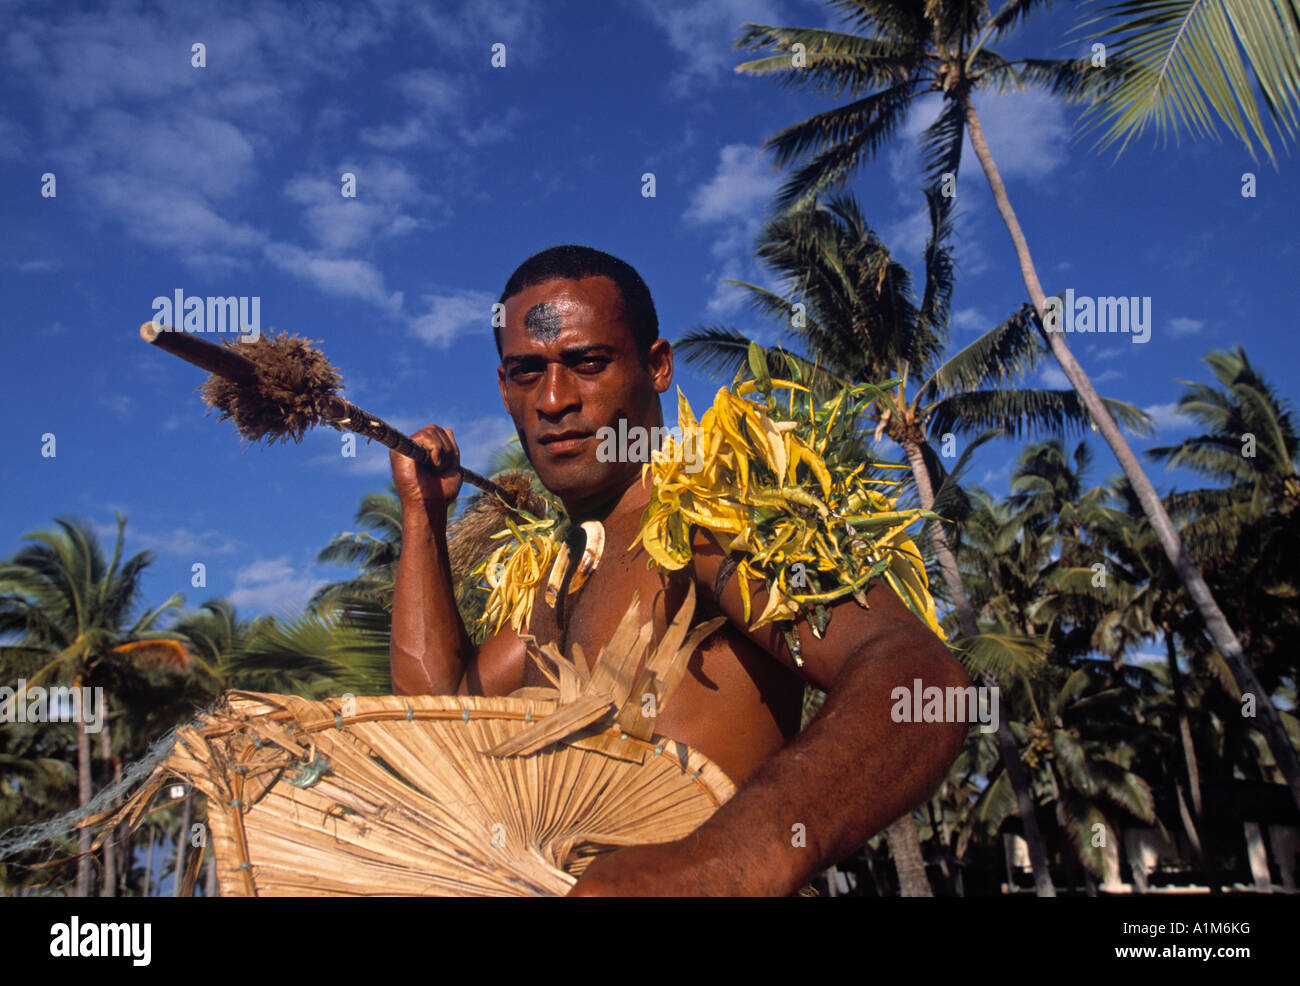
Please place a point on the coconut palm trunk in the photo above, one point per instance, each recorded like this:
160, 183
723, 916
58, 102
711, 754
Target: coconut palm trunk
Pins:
83, 799
1215, 622
210, 886
1017, 776
109, 888
909, 861
182, 840
148, 864
1193, 820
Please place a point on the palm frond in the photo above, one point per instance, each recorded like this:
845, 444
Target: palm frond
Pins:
1001, 354
832, 63
838, 142
1021, 411
1000, 654
1183, 66
941, 143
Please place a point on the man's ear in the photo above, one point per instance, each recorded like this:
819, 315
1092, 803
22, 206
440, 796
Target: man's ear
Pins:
501, 386
659, 360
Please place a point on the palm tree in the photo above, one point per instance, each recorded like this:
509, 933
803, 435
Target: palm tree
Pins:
1244, 531
73, 608
861, 322
1074, 715
1092, 729
1002, 567
943, 46
1183, 66
365, 601
1243, 527
375, 552
1149, 601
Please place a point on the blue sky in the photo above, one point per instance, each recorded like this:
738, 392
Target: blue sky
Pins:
224, 180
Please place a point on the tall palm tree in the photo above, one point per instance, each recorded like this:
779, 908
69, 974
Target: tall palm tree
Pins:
911, 49
860, 320
72, 608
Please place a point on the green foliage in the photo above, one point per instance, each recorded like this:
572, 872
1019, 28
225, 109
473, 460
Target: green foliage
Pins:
1187, 63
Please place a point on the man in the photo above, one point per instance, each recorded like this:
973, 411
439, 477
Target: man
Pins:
580, 349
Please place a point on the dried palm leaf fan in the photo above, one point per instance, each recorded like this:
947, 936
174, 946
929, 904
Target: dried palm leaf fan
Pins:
277, 387
445, 795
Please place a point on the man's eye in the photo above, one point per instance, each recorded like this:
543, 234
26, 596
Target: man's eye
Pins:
523, 375
592, 364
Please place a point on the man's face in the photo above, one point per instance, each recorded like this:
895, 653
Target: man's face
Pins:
570, 367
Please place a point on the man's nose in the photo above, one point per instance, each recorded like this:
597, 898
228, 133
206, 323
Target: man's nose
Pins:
558, 393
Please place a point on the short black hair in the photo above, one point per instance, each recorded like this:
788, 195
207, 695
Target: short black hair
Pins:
572, 262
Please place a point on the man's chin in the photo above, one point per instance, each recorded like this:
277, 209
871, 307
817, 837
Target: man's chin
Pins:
585, 481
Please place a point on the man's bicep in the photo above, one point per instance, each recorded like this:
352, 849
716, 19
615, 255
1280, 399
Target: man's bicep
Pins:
497, 667
886, 623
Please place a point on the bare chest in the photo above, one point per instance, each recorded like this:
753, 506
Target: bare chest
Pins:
736, 703
588, 616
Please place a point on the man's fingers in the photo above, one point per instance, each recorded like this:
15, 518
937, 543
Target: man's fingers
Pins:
441, 446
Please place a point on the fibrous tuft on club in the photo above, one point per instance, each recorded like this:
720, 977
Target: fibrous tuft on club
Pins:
295, 389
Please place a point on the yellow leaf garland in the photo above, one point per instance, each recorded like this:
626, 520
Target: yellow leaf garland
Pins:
811, 534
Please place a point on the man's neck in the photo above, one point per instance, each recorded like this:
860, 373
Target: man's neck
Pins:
614, 507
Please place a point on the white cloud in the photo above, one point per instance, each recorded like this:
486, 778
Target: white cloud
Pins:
272, 586
440, 115
1027, 133
1167, 418
170, 151
346, 278
735, 202
185, 542
174, 154
1183, 326
396, 136
385, 190
209, 156
1054, 378
513, 22
119, 404
428, 90
970, 320
167, 216
449, 317
40, 266
742, 184
491, 131
703, 35
909, 234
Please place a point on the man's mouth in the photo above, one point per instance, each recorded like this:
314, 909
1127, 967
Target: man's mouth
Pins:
563, 442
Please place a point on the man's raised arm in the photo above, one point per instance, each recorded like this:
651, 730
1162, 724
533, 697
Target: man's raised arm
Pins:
430, 649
